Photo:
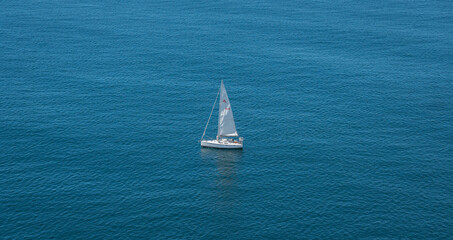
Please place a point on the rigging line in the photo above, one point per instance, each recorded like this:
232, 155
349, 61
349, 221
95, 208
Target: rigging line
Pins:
210, 115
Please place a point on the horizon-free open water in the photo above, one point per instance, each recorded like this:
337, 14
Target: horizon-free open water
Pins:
345, 107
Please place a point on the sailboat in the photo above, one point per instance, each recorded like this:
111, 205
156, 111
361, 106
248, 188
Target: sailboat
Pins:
226, 129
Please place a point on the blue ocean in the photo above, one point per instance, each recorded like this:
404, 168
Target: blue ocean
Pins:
346, 109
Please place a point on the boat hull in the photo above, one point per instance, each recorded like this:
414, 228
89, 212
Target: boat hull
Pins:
222, 144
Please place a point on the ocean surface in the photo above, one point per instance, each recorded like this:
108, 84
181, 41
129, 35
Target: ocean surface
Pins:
346, 108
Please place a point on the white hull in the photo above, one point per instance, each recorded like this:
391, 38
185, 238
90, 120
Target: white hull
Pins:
221, 144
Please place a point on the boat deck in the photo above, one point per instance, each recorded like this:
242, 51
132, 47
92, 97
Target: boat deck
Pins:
224, 143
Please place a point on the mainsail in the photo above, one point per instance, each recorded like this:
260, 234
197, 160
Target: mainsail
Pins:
226, 126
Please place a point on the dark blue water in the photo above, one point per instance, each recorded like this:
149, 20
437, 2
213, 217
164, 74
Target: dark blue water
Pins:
346, 109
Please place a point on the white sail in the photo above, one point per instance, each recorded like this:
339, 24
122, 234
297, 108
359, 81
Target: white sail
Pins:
226, 126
